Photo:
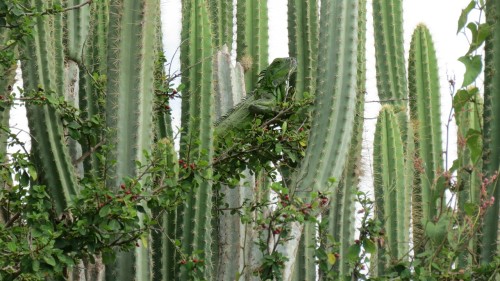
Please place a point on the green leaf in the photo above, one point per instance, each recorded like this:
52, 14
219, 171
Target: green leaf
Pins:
470, 209
25, 179
49, 259
104, 211
473, 67
35, 265
462, 20
369, 246
65, 260
113, 225
108, 257
462, 97
353, 252
12, 246
474, 144
454, 166
437, 232
32, 172
278, 148
479, 36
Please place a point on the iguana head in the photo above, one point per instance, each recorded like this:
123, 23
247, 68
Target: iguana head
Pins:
277, 73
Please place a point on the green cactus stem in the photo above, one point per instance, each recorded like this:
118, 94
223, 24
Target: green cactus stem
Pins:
49, 149
389, 51
334, 107
491, 134
129, 103
303, 30
194, 219
390, 188
341, 211
6, 83
426, 119
93, 68
468, 186
252, 39
221, 18
77, 28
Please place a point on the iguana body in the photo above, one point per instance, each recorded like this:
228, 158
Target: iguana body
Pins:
271, 90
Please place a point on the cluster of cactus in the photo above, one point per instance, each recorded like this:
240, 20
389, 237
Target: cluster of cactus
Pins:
106, 59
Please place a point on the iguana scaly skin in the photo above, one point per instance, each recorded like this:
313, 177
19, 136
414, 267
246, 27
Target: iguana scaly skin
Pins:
272, 89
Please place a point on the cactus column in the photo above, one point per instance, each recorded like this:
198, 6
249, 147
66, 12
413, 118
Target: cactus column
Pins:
341, 214
390, 188
491, 132
195, 216
252, 39
426, 119
303, 29
48, 144
7, 75
334, 107
129, 104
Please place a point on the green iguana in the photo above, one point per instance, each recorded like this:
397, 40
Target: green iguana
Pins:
272, 89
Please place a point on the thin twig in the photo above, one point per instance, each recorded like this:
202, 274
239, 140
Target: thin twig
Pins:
52, 12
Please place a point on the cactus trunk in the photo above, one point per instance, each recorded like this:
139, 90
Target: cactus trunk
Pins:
491, 133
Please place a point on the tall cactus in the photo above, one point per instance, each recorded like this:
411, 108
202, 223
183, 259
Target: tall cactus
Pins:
389, 52
425, 114
93, 68
392, 82
164, 252
129, 101
341, 213
195, 216
303, 31
303, 42
109, 48
390, 188
252, 39
6, 83
77, 28
491, 133
334, 106
49, 147
468, 175
221, 18
232, 234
